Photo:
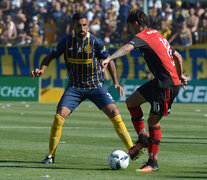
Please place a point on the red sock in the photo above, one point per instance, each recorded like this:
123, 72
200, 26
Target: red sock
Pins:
138, 120
153, 142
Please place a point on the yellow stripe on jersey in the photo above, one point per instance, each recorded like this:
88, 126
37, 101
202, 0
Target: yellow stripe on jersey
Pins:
73, 74
76, 64
82, 48
87, 64
77, 76
70, 75
82, 76
93, 67
77, 50
67, 48
88, 76
71, 49
80, 61
92, 77
88, 45
97, 73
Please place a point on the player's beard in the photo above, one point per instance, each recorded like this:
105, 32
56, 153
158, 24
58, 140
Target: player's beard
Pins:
82, 34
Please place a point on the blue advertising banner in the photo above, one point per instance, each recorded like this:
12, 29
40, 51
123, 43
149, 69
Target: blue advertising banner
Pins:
21, 60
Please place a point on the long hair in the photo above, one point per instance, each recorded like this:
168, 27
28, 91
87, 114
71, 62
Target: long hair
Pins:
77, 16
138, 16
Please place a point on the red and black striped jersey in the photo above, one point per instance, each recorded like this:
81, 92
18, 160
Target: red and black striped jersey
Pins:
158, 56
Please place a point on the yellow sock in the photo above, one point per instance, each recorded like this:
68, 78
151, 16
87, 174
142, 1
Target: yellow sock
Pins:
121, 131
55, 133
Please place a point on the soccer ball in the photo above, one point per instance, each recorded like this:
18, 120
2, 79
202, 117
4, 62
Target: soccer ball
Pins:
118, 159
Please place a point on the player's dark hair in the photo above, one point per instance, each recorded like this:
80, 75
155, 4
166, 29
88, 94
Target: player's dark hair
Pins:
77, 16
138, 16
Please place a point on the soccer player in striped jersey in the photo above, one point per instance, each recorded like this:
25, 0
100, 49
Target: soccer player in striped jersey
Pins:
160, 92
82, 53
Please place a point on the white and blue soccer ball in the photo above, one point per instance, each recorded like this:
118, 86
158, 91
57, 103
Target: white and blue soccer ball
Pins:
118, 159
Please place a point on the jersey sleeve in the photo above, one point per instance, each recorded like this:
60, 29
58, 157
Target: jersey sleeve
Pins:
137, 42
101, 51
59, 49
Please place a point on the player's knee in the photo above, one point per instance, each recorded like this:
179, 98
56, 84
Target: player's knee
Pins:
154, 120
130, 102
111, 110
63, 111
115, 111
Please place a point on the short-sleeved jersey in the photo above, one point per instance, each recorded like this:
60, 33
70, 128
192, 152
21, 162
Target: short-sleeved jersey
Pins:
158, 56
82, 60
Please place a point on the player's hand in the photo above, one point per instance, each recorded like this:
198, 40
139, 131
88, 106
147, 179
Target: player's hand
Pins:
120, 88
104, 64
184, 80
36, 72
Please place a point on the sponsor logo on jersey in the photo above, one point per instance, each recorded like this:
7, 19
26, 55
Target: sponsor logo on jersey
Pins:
79, 49
103, 50
88, 48
151, 32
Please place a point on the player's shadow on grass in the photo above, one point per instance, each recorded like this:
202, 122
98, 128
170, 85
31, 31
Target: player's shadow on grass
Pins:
69, 168
43, 166
200, 138
187, 177
192, 174
13, 161
183, 142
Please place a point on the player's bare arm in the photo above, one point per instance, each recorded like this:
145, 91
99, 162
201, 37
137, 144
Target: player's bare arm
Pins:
122, 51
178, 62
44, 65
119, 53
113, 73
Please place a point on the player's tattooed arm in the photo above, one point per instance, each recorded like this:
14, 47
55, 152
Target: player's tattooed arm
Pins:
122, 51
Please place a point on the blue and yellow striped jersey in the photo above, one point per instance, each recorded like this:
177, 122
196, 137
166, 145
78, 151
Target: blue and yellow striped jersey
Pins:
82, 60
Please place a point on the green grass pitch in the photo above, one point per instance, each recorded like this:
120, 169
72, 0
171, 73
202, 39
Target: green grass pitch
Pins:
88, 138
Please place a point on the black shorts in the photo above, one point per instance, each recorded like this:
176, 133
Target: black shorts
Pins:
160, 99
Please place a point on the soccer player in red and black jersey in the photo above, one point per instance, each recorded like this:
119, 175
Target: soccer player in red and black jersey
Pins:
166, 65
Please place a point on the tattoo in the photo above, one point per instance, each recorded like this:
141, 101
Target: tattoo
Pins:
120, 52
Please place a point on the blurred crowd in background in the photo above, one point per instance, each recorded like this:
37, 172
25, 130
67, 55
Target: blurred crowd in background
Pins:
43, 22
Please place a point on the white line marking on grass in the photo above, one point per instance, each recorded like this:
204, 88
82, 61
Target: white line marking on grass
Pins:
36, 127
32, 127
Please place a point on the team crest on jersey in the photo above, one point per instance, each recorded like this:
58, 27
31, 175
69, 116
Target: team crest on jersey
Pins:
88, 48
